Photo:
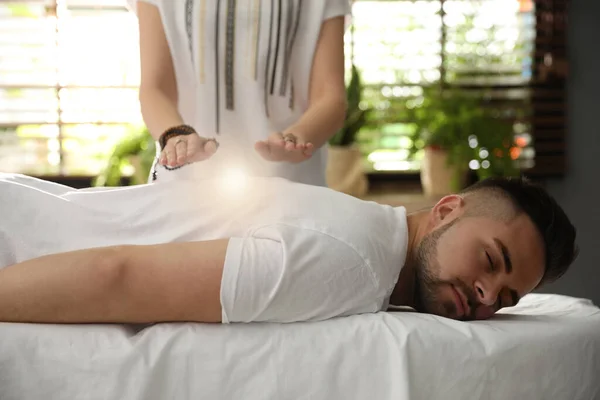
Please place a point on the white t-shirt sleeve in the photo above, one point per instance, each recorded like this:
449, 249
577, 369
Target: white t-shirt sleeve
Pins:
336, 8
132, 4
285, 273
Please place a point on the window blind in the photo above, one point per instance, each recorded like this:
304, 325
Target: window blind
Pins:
69, 72
401, 46
548, 87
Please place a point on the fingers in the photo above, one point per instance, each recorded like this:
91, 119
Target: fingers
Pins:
185, 149
181, 151
290, 146
202, 149
278, 147
263, 149
277, 139
284, 147
290, 142
295, 144
309, 149
210, 146
171, 153
175, 153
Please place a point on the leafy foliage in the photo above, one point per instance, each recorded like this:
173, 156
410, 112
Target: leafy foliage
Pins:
460, 123
138, 145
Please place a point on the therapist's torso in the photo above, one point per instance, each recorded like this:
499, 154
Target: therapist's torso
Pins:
243, 72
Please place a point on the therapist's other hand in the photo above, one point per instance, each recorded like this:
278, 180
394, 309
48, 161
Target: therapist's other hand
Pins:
284, 147
185, 149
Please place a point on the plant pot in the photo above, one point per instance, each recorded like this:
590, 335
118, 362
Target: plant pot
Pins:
438, 178
345, 172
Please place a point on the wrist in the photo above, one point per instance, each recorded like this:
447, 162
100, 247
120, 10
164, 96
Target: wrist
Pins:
174, 131
298, 132
305, 135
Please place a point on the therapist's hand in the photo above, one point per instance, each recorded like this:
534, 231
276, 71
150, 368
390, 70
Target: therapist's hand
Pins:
185, 149
284, 147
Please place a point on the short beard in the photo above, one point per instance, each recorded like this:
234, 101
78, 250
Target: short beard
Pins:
427, 275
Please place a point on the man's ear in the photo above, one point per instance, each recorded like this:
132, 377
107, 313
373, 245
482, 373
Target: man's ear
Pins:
447, 209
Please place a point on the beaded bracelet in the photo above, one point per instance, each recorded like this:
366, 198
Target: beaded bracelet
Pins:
174, 131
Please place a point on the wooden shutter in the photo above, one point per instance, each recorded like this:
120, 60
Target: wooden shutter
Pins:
548, 89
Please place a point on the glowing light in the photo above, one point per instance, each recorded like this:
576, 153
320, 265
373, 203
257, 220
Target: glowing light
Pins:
233, 180
474, 164
485, 164
483, 153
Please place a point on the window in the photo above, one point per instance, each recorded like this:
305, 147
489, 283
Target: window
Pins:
401, 46
69, 72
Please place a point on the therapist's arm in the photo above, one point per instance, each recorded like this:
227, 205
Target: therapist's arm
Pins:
158, 87
327, 92
124, 284
158, 92
327, 101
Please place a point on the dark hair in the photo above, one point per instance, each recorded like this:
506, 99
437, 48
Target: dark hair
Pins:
552, 222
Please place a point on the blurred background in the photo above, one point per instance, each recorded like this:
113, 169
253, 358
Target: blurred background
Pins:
441, 93
69, 71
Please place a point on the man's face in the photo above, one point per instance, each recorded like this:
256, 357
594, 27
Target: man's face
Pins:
472, 266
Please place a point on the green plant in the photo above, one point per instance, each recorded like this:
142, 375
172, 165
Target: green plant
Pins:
356, 117
136, 149
492, 145
460, 124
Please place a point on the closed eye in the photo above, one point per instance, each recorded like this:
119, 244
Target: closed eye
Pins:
490, 261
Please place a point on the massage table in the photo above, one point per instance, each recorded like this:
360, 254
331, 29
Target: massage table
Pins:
547, 347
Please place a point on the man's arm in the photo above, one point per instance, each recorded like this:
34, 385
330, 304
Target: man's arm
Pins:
123, 284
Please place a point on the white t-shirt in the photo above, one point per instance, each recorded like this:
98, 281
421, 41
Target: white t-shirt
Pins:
242, 74
297, 252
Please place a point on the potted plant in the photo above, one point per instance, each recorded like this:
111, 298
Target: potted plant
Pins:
454, 129
345, 171
136, 150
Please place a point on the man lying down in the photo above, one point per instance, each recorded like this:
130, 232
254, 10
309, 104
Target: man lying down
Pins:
271, 250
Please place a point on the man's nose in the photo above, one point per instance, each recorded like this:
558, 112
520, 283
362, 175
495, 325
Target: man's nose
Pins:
486, 292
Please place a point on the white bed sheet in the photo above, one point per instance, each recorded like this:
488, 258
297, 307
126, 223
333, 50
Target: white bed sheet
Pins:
546, 348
